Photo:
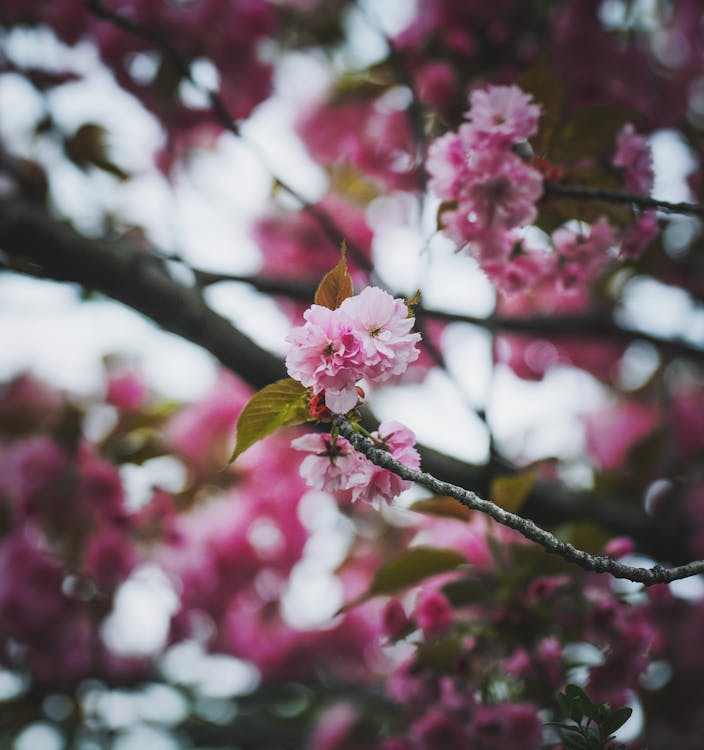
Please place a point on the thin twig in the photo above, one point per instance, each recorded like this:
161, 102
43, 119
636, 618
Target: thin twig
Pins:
34, 243
616, 196
555, 327
601, 564
224, 117
399, 64
143, 32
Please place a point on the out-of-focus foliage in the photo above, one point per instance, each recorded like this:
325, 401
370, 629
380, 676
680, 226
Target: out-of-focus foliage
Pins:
432, 626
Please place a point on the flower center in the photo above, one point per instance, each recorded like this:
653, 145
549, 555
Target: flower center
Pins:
497, 190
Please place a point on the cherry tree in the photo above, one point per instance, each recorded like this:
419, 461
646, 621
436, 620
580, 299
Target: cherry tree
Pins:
544, 594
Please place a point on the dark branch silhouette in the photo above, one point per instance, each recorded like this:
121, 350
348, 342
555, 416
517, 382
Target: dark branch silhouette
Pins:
616, 196
39, 245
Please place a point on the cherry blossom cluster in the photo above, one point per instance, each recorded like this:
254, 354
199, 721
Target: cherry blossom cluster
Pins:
67, 541
634, 157
494, 190
373, 138
335, 466
490, 192
368, 337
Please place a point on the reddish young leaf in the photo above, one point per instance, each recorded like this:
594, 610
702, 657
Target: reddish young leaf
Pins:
336, 285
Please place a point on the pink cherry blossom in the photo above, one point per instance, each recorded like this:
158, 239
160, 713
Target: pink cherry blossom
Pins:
400, 441
502, 189
372, 137
394, 619
447, 165
612, 432
100, 490
326, 355
433, 613
294, 246
338, 468
381, 485
634, 156
506, 727
126, 390
30, 588
495, 190
619, 546
332, 466
521, 272
384, 330
333, 727
410, 686
502, 112
368, 336
639, 235
587, 248
437, 729
437, 84
35, 476
202, 432
109, 557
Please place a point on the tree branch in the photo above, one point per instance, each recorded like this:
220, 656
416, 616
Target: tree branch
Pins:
586, 325
226, 120
39, 245
598, 326
616, 196
603, 564
130, 274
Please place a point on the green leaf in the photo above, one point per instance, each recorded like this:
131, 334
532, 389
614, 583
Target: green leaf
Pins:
352, 183
510, 492
440, 654
563, 704
530, 561
443, 506
573, 692
585, 535
284, 402
463, 592
574, 741
336, 285
580, 704
617, 720
362, 86
544, 85
412, 567
589, 132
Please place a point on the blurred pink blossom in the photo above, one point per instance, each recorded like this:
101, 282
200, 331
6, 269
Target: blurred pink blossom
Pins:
611, 433
634, 156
